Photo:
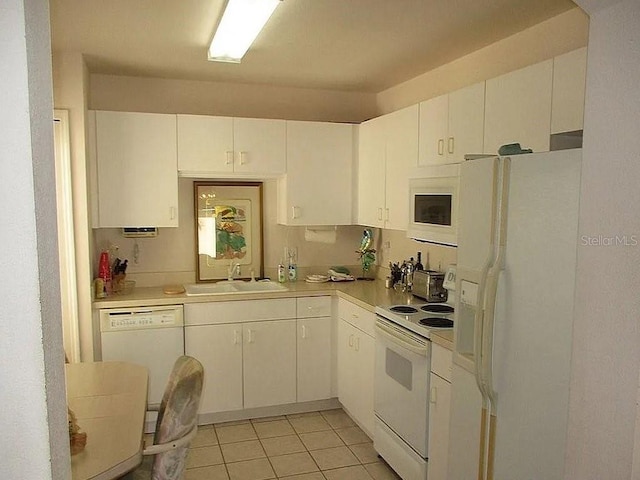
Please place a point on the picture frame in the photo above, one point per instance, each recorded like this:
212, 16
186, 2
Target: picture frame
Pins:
228, 230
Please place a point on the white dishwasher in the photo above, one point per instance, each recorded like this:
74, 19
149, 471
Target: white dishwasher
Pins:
150, 336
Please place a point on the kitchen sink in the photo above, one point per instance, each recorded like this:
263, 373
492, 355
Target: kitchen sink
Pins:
226, 287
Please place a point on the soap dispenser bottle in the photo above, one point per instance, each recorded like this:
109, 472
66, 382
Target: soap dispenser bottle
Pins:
281, 272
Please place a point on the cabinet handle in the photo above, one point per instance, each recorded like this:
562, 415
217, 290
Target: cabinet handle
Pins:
172, 213
355, 315
357, 344
243, 158
433, 397
386, 219
295, 212
304, 331
441, 146
379, 213
450, 144
351, 340
250, 339
229, 160
236, 337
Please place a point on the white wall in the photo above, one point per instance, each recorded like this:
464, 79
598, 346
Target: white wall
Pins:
157, 95
34, 428
606, 350
560, 34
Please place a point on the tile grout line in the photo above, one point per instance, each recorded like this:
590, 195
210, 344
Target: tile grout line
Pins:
297, 434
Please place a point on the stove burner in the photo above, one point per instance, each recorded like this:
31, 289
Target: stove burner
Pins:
436, 322
403, 309
437, 309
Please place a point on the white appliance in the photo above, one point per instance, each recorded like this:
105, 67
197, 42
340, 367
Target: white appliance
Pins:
401, 387
152, 337
433, 204
517, 241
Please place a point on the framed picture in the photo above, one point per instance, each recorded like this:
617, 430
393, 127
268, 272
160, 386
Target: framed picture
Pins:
228, 223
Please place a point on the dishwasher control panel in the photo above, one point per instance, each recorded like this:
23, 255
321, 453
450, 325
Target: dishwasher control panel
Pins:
112, 320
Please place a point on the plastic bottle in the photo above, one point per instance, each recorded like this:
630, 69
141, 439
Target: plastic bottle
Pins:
293, 272
281, 272
104, 272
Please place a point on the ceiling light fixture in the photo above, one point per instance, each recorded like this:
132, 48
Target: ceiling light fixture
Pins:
240, 25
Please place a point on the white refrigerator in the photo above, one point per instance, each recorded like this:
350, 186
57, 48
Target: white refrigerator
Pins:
517, 243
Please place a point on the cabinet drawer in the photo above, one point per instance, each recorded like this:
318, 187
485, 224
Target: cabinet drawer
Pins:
441, 361
240, 311
314, 307
357, 316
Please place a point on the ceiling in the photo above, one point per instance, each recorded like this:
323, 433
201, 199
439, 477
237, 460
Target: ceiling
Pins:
350, 45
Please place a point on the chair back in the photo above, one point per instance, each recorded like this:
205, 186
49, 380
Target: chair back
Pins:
177, 416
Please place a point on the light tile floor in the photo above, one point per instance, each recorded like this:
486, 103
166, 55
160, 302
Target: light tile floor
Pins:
310, 446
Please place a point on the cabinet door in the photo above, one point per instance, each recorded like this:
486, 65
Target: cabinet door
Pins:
205, 144
518, 109
137, 169
371, 173
365, 354
219, 349
259, 146
466, 122
401, 156
355, 374
317, 187
346, 366
439, 410
433, 131
269, 363
314, 359
569, 76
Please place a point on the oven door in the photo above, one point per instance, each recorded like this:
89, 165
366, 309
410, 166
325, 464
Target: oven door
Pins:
402, 383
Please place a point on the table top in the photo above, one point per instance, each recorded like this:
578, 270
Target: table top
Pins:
109, 400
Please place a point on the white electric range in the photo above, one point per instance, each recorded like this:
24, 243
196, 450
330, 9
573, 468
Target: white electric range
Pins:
401, 394
419, 318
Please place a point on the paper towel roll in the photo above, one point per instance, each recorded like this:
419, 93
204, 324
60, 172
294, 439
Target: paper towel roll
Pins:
320, 234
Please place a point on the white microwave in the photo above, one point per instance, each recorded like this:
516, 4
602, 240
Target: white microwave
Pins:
433, 201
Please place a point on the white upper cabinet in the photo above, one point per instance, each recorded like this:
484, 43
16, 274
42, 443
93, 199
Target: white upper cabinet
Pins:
205, 144
569, 74
260, 146
136, 169
371, 172
518, 109
434, 130
240, 147
317, 188
451, 126
401, 157
466, 122
388, 150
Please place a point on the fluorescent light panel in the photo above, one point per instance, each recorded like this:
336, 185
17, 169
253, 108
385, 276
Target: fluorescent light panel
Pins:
240, 25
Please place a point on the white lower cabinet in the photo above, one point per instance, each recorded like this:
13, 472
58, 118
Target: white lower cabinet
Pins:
314, 347
261, 353
269, 362
248, 351
356, 363
439, 412
219, 349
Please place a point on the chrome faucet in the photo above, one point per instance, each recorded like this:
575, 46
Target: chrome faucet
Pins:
233, 270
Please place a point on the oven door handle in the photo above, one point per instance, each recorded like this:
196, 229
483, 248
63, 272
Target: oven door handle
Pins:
390, 335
